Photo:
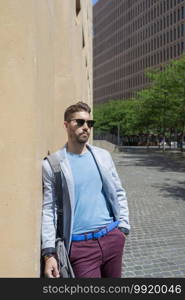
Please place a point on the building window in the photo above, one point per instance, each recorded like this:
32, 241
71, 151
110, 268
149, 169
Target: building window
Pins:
167, 54
178, 31
168, 5
178, 49
167, 21
171, 52
175, 33
182, 29
164, 38
164, 22
164, 54
178, 14
171, 19
171, 36
182, 47
182, 12
167, 36
174, 49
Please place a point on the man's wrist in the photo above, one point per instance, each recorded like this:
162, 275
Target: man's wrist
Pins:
47, 256
48, 251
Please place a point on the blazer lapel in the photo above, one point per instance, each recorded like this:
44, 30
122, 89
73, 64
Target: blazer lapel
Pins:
108, 185
65, 166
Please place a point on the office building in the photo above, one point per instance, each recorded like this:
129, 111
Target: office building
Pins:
131, 36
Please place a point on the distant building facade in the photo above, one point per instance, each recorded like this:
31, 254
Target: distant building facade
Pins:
131, 36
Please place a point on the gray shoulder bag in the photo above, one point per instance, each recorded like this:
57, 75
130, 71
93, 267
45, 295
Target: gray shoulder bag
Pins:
64, 264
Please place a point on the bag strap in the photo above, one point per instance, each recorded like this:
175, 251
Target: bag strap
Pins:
58, 174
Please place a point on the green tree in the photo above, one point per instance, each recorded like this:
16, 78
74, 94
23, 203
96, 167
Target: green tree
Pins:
158, 109
177, 80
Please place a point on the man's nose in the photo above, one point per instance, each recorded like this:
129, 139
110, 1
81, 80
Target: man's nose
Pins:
85, 125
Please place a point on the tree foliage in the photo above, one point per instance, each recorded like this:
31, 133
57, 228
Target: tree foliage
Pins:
157, 109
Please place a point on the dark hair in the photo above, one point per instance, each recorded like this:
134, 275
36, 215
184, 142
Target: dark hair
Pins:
80, 106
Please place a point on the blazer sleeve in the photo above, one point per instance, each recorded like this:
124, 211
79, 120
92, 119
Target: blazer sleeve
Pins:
49, 210
122, 198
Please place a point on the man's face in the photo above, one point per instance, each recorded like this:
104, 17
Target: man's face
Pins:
76, 133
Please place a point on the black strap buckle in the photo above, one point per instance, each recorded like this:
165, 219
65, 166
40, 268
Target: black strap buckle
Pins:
93, 237
85, 236
60, 211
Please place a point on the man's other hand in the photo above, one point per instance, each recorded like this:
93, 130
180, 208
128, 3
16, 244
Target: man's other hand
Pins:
51, 268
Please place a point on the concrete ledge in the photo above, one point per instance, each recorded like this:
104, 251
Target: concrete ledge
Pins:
104, 144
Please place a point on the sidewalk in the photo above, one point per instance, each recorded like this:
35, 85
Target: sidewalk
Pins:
155, 185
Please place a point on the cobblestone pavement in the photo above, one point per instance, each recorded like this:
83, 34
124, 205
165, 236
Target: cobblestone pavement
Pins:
155, 185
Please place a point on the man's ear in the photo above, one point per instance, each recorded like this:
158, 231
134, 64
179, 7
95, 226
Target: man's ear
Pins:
65, 124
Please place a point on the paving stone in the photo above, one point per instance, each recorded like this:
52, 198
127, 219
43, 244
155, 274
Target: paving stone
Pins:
129, 274
137, 273
155, 188
157, 275
148, 266
138, 267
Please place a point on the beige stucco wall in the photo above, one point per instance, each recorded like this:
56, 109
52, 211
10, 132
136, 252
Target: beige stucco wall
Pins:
44, 67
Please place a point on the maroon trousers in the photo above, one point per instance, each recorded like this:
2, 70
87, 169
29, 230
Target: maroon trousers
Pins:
98, 258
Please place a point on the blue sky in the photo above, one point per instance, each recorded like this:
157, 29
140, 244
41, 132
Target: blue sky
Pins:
94, 1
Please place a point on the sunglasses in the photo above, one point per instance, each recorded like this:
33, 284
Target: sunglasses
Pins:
81, 122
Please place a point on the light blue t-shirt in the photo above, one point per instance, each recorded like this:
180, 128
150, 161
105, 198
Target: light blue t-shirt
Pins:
91, 208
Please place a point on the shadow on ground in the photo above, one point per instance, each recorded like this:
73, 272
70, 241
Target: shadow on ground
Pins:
176, 192
162, 162
165, 162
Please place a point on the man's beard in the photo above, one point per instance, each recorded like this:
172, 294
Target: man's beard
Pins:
82, 138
